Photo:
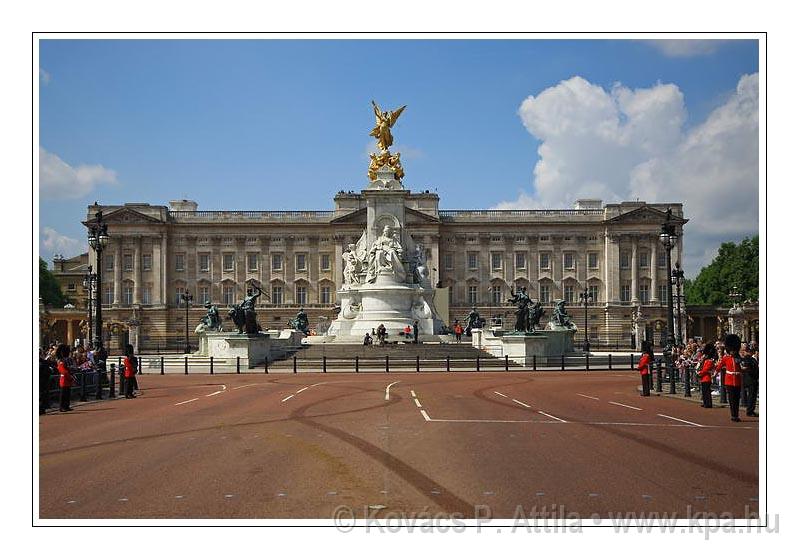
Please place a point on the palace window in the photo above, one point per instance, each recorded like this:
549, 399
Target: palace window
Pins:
109, 262
127, 294
520, 239
448, 261
204, 262
277, 261
544, 261
277, 295
324, 262
472, 295
300, 262
203, 294
108, 294
662, 294
228, 295
472, 261
625, 292
178, 292
569, 261
71, 287
147, 291
644, 292
544, 293
624, 259
497, 261
519, 261
662, 259
147, 261
127, 262
644, 259
544, 238
325, 294
497, 294
594, 292
592, 260
496, 238
179, 262
594, 332
300, 295
252, 262
569, 293
227, 262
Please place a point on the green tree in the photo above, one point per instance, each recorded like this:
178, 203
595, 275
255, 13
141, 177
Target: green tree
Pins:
734, 265
49, 290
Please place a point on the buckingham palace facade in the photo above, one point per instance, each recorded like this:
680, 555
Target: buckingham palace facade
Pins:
156, 253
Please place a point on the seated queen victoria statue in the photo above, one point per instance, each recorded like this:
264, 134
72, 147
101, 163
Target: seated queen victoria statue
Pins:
385, 254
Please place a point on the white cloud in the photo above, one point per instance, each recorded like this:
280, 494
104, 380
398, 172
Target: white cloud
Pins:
686, 47
58, 179
44, 77
628, 144
57, 243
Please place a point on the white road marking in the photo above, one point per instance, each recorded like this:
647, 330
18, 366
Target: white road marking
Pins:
214, 393
526, 405
178, 497
388, 387
287, 398
625, 405
553, 417
416, 402
248, 385
425, 415
301, 390
413, 394
501, 394
184, 402
587, 396
680, 420
123, 500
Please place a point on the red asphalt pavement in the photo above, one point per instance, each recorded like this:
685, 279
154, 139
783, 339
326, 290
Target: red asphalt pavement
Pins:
298, 446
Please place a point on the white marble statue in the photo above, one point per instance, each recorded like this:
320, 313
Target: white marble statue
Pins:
385, 254
352, 266
420, 271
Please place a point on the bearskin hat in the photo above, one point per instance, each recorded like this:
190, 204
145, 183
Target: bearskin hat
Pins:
733, 343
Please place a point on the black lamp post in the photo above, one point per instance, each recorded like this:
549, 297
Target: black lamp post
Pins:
668, 239
98, 239
585, 296
90, 286
677, 279
187, 298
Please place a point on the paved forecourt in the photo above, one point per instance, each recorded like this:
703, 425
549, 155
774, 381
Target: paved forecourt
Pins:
299, 446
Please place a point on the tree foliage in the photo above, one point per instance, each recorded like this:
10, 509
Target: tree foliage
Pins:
49, 290
734, 265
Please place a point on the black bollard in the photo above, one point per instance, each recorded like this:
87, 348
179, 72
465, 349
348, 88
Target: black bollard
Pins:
562, 362
506, 362
211, 364
186, 365
387, 363
111, 382
671, 374
587, 362
632, 364
162, 365
534, 362
478, 363
266, 364
324, 364
417, 364
238, 365
83, 386
610, 365
447, 362
294, 364
687, 382
356, 364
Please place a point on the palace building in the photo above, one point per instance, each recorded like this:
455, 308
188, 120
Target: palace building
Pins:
156, 253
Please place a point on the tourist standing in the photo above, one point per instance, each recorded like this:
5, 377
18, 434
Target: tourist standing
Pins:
644, 367
706, 369
45, 371
732, 374
749, 379
458, 330
130, 364
64, 378
416, 332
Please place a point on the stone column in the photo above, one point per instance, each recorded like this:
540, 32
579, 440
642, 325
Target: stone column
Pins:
137, 270
165, 272
158, 271
634, 269
70, 333
611, 267
338, 271
435, 266
117, 273
653, 270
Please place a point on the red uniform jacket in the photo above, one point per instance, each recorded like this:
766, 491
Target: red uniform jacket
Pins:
644, 362
64, 376
705, 372
130, 371
733, 377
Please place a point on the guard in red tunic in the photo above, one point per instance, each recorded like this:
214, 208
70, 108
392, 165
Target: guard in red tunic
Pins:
733, 373
131, 365
645, 362
706, 370
64, 377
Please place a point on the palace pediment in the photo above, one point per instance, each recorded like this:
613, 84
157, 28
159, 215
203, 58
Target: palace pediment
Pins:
128, 216
643, 215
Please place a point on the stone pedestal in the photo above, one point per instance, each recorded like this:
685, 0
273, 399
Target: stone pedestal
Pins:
522, 347
251, 349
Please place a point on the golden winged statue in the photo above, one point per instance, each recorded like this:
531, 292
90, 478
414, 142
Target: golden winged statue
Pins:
384, 121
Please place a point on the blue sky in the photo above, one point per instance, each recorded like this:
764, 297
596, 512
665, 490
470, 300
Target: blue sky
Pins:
256, 124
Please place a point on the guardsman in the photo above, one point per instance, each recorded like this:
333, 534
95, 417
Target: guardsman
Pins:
130, 364
733, 373
706, 370
644, 367
749, 379
64, 377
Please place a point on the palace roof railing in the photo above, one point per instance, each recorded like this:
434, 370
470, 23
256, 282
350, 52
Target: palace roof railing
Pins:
266, 216
515, 215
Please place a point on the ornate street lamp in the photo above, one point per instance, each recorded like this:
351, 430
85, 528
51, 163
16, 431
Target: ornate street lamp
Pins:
90, 285
677, 280
98, 239
585, 296
669, 239
186, 297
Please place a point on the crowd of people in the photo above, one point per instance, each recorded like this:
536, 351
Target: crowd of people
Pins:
728, 363
66, 363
